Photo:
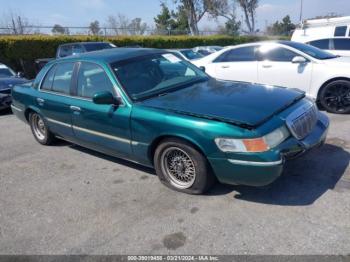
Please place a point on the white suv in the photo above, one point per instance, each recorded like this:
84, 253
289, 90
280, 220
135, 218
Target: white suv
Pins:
321, 75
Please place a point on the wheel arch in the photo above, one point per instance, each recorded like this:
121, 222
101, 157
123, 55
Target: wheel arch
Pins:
158, 140
30, 110
330, 81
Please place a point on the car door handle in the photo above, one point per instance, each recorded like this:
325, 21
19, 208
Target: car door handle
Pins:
266, 66
40, 100
225, 66
75, 108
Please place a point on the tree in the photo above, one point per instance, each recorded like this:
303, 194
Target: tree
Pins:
119, 24
95, 27
59, 30
137, 27
285, 27
249, 7
181, 20
164, 20
227, 9
16, 24
196, 9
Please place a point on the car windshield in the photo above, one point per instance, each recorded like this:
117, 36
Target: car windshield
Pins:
191, 55
98, 46
6, 72
155, 74
311, 50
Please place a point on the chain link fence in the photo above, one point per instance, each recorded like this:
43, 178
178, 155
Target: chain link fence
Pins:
102, 31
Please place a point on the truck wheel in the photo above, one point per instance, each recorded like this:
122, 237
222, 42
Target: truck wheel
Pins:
39, 129
182, 167
335, 97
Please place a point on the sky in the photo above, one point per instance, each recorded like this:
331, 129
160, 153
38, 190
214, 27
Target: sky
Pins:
82, 12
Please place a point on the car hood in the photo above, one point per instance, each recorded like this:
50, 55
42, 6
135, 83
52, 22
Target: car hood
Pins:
9, 82
244, 104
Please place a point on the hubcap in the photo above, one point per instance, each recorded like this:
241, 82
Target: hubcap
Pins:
178, 166
337, 97
39, 127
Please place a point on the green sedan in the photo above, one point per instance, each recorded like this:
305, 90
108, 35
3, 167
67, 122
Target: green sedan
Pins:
151, 107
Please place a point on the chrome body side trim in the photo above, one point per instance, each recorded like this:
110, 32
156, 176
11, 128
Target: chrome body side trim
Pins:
58, 122
92, 132
253, 163
16, 108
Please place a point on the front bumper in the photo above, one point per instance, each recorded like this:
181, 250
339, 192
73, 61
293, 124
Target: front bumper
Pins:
5, 101
263, 168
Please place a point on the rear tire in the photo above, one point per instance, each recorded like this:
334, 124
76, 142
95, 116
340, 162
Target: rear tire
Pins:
335, 97
40, 130
182, 167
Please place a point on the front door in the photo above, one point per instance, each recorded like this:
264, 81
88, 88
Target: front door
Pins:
276, 68
101, 127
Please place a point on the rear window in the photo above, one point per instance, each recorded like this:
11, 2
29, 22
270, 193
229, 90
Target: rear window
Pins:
97, 46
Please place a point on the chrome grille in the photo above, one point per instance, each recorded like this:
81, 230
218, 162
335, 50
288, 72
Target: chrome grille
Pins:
302, 121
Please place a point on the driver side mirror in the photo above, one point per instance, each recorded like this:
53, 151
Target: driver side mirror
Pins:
105, 98
299, 60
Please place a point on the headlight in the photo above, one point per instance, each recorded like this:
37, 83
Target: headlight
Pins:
260, 144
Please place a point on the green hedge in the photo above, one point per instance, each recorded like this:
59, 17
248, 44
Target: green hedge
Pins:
21, 51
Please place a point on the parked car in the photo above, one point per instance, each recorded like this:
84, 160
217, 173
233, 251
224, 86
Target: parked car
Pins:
151, 107
73, 49
331, 34
207, 50
8, 78
323, 76
187, 54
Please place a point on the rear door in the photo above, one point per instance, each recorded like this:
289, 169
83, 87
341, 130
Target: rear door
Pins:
54, 98
102, 127
239, 64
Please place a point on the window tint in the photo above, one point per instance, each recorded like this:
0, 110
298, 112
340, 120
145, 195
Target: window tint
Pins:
65, 50
340, 31
322, 44
156, 74
47, 84
279, 54
243, 54
92, 79
62, 78
341, 44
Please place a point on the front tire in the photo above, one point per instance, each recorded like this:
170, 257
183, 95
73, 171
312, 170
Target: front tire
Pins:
182, 167
335, 97
40, 130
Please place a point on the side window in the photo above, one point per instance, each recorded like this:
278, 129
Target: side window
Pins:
322, 44
340, 31
65, 50
243, 54
279, 54
48, 80
92, 79
62, 78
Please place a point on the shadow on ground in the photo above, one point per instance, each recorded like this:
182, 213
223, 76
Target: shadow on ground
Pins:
303, 181
5, 112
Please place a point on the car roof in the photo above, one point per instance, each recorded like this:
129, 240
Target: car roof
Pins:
115, 54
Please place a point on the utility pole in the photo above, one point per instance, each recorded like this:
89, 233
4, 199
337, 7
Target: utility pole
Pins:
301, 11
